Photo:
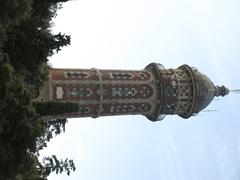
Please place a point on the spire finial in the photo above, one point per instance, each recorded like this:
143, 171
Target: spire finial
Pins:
235, 90
221, 91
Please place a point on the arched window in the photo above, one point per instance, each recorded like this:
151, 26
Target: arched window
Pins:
81, 92
121, 75
76, 75
123, 91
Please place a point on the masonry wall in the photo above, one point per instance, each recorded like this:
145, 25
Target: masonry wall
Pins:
104, 92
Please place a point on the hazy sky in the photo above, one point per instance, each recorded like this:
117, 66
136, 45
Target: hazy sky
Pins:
129, 34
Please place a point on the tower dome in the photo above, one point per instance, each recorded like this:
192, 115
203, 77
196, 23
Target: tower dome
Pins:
203, 90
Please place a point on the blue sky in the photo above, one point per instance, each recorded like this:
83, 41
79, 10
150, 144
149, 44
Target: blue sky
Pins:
129, 34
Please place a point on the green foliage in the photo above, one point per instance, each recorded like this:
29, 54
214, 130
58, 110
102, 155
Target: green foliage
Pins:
12, 12
52, 128
29, 47
20, 129
52, 164
56, 126
55, 108
26, 43
6, 71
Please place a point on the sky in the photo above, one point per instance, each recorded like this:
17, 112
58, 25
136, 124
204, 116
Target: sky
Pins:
130, 34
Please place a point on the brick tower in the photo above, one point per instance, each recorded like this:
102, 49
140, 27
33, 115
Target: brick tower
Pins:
153, 92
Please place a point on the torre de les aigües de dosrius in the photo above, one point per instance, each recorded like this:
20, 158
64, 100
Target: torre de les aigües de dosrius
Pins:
153, 92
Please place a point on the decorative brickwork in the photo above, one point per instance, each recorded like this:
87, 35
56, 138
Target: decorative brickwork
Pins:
103, 92
152, 92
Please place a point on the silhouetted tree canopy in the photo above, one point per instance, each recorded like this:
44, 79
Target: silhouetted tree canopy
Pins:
26, 43
55, 108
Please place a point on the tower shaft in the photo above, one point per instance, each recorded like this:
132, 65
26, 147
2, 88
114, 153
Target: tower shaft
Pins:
103, 92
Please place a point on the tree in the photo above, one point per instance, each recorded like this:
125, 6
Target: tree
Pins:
52, 127
55, 108
59, 1
59, 40
12, 12
52, 164
29, 47
26, 42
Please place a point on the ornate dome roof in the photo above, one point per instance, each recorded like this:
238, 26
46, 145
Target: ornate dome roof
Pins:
203, 90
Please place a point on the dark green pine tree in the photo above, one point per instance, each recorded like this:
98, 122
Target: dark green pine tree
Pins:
55, 108
52, 164
26, 42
